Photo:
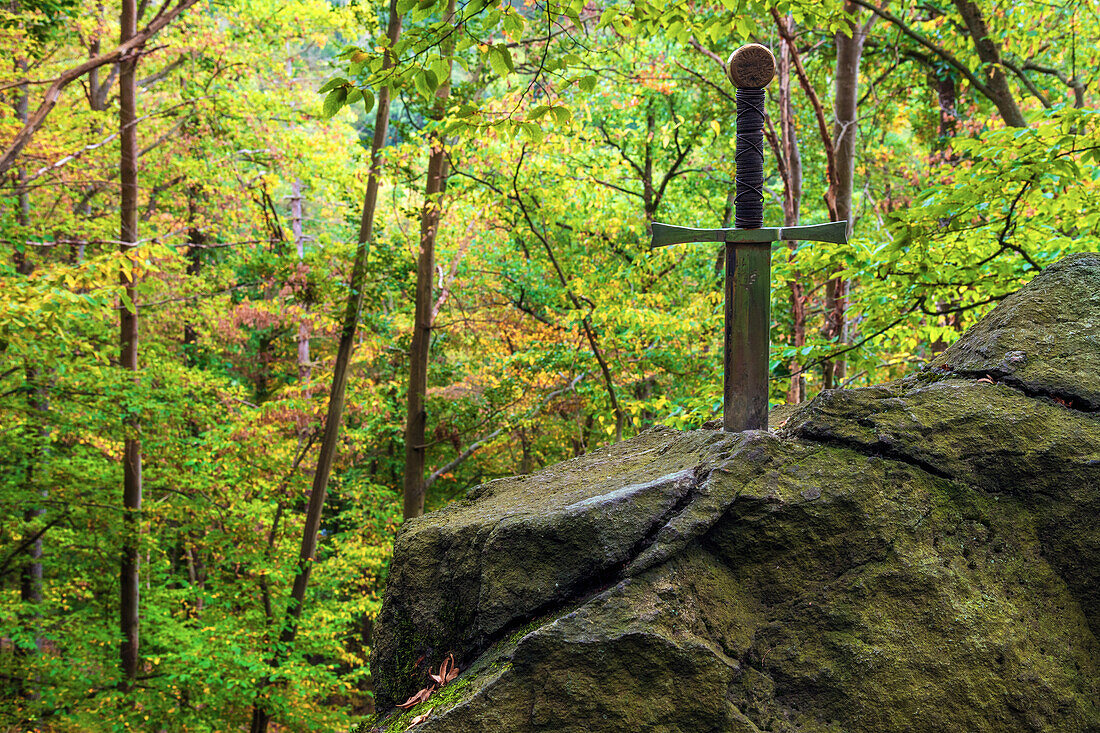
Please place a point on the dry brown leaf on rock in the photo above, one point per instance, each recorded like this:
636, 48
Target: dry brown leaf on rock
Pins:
447, 671
418, 698
419, 719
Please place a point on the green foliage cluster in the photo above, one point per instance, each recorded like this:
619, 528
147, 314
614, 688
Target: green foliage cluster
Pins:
568, 128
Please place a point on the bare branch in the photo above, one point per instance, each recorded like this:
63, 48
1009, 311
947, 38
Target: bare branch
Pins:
53, 94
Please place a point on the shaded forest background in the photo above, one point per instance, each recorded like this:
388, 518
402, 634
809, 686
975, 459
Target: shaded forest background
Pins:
182, 216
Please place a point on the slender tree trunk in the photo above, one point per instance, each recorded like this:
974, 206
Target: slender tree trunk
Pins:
30, 576
128, 343
261, 716
792, 203
649, 193
30, 580
23, 213
416, 417
305, 368
526, 460
195, 239
849, 50
947, 96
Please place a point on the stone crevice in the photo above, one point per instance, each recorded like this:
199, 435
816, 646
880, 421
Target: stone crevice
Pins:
1063, 398
590, 587
700, 474
877, 450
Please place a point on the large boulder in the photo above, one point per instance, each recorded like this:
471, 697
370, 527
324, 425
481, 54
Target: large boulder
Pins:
920, 556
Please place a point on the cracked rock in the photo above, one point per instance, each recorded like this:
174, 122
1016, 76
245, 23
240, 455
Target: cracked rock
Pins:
919, 556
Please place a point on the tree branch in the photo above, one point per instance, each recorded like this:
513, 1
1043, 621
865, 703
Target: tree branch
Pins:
953, 62
53, 94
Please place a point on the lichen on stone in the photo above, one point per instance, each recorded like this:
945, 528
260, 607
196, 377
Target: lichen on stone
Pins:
918, 556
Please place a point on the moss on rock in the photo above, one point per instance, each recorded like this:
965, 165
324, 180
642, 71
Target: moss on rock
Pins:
921, 556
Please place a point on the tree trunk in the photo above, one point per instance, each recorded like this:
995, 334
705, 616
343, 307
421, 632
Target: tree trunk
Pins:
260, 714
792, 203
990, 55
128, 342
849, 50
30, 576
948, 101
649, 193
416, 418
30, 580
195, 239
305, 368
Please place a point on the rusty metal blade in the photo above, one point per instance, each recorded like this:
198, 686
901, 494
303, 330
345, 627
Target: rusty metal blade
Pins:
834, 231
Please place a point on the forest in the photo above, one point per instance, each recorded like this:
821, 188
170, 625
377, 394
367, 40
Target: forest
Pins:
280, 274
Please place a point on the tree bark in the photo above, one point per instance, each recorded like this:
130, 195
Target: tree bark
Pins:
195, 239
30, 576
133, 42
305, 367
948, 101
416, 416
990, 55
649, 199
128, 343
261, 716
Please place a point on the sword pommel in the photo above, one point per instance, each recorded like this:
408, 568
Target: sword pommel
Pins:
751, 67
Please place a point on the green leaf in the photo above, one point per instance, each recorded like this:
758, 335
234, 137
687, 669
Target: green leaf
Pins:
532, 131
538, 112
513, 24
331, 84
562, 115
368, 100
501, 60
333, 102
587, 83
354, 96
426, 83
441, 69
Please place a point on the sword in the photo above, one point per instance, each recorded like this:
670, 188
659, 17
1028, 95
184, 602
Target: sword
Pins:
748, 262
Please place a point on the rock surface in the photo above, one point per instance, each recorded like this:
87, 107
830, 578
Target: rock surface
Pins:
920, 556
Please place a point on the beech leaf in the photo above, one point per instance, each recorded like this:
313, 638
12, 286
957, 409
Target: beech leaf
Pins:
419, 718
418, 697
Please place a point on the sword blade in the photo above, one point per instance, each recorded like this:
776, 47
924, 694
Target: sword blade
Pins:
834, 231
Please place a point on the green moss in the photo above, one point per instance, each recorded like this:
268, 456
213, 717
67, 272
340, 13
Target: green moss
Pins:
921, 556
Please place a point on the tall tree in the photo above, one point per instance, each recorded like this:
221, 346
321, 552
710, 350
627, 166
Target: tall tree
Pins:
416, 415
128, 343
791, 166
849, 51
261, 714
305, 369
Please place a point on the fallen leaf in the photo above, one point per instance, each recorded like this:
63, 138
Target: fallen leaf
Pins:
418, 697
419, 718
447, 671
987, 378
